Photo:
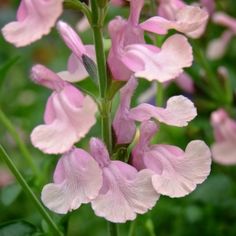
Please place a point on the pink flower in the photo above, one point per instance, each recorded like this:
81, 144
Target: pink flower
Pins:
118, 2
123, 126
217, 47
122, 33
223, 150
168, 8
75, 68
35, 18
161, 64
77, 180
177, 172
68, 117
178, 112
209, 5
129, 54
125, 191
5, 177
190, 20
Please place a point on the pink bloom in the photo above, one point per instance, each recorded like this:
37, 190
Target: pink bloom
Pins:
75, 68
217, 47
123, 126
123, 33
190, 20
177, 172
77, 180
35, 18
68, 117
185, 82
223, 150
118, 2
209, 5
161, 64
223, 19
178, 112
125, 191
168, 8
5, 177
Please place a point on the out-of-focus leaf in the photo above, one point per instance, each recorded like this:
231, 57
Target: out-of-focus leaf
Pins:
216, 190
9, 194
6, 67
17, 228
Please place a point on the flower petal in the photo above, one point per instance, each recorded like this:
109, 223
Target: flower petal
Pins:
164, 65
45, 77
178, 112
176, 172
224, 152
190, 20
125, 193
69, 116
78, 180
35, 18
123, 126
180, 173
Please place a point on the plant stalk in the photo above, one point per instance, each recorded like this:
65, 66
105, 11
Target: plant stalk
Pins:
98, 16
26, 188
24, 151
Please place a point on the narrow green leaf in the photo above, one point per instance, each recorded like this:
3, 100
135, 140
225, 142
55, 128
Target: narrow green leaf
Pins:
17, 228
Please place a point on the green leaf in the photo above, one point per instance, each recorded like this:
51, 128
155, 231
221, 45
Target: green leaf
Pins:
88, 86
17, 228
10, 193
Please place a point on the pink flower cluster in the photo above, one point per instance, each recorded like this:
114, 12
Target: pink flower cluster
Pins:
117, 190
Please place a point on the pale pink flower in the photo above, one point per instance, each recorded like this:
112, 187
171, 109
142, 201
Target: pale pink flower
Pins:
123, 126
118, 2
217, 47
161, 64
209, 5
168, 8
68, 116
35, 18
178, 112
177, 172
190, 20
77, 180
75, 68
224, 149
129, 54
223, 19
125, 191
122, 33
5, 177
185, 82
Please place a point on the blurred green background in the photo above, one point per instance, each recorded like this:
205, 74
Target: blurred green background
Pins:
210, 210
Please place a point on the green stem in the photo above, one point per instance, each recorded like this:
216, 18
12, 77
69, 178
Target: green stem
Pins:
97, 25
77, 5
28, 190
24, 151
112, 229
132, 228
159, 94
98, 16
